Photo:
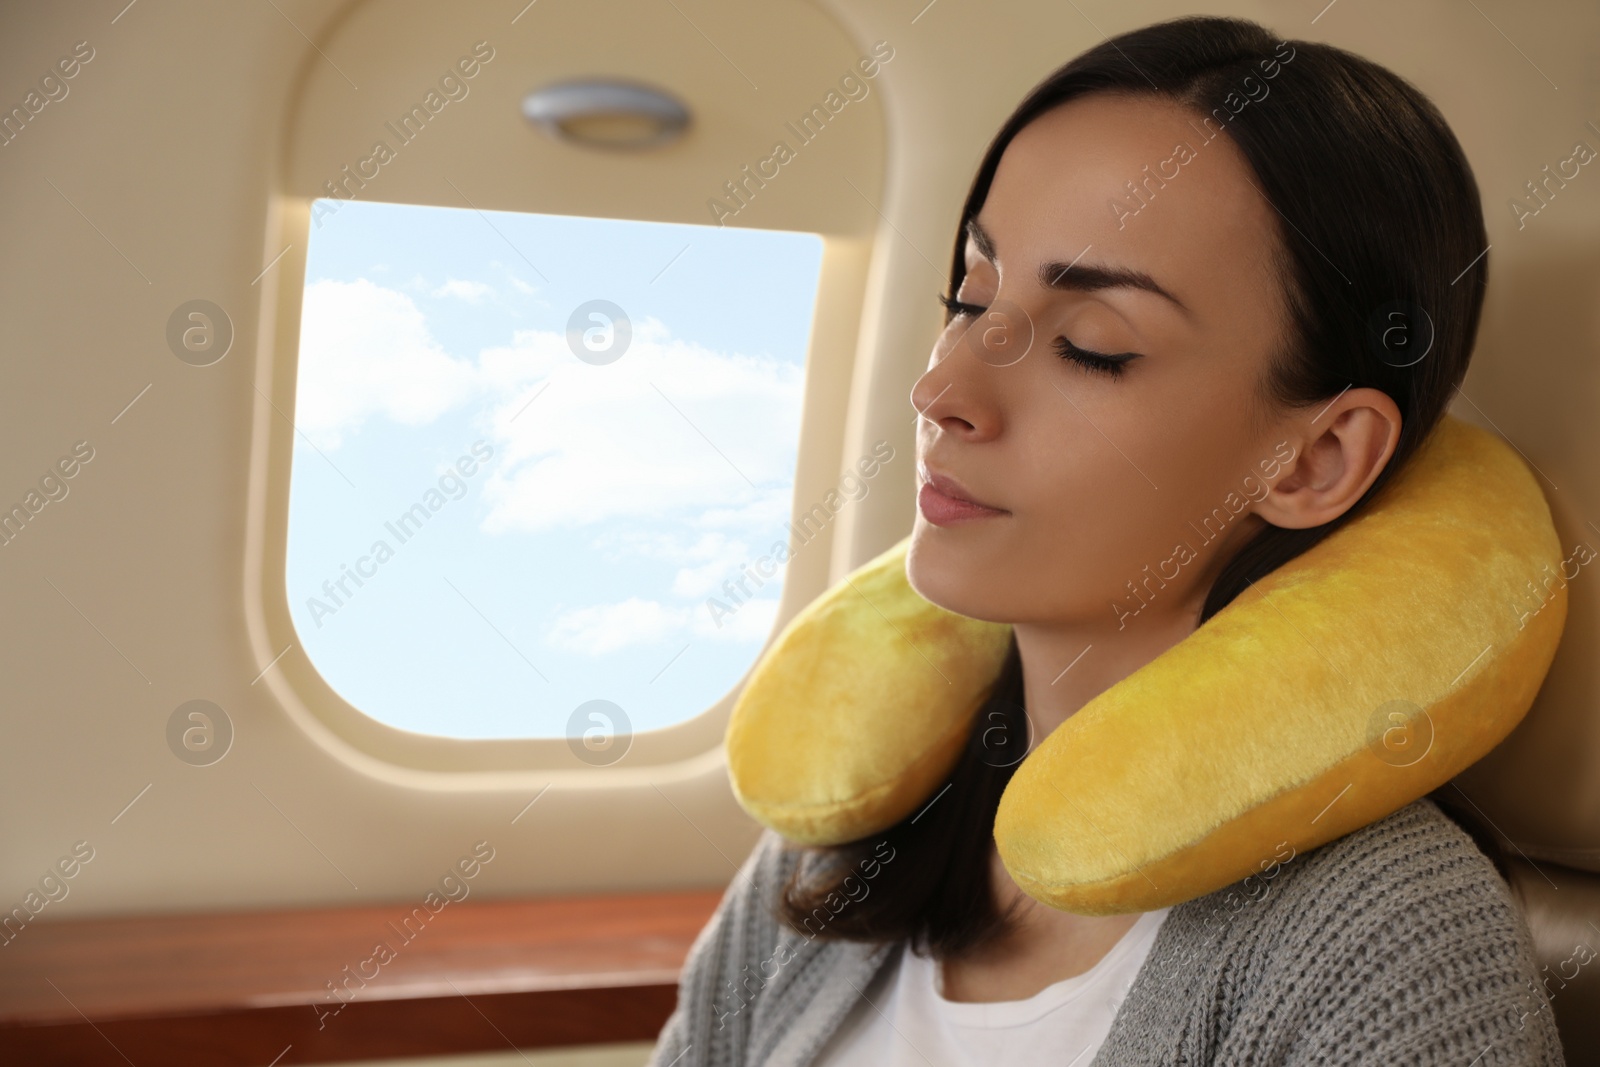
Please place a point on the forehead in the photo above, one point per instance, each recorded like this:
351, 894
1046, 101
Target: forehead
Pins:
1135, 178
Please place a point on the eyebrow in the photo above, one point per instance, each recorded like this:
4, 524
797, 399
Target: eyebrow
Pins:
1085, 278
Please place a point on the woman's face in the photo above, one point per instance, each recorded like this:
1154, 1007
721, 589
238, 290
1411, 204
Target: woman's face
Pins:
1090, 475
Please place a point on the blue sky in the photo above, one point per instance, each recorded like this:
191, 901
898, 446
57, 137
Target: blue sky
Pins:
570, 518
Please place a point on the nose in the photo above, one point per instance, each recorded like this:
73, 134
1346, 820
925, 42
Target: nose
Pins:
959, 392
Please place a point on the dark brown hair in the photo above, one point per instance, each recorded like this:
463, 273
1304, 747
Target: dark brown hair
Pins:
1381, 247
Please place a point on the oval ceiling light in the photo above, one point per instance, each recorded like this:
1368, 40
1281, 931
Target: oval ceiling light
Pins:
606, 113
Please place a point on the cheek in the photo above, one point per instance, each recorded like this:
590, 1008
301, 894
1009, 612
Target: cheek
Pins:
1184, 425
1091, 515
1108, 490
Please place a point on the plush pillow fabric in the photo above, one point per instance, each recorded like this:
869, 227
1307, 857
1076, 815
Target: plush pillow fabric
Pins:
1345, 684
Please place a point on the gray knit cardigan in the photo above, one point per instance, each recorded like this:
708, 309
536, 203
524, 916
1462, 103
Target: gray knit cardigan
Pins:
1396, 944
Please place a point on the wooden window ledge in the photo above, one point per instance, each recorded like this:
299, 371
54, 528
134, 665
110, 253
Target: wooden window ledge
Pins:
243, 988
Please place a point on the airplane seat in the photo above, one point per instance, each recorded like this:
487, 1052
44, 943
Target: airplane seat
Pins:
1539, 794
1561, 904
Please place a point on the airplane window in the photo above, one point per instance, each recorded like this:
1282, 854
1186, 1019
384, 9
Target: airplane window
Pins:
537, 459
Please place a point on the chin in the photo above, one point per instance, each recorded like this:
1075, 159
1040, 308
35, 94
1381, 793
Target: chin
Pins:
952, 573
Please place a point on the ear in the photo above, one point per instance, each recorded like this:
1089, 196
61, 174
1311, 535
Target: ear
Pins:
1342, 448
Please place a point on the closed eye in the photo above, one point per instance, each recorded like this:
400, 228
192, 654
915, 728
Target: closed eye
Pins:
1097, 362
955, 308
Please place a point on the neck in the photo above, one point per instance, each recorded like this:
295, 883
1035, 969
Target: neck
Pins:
1067, 664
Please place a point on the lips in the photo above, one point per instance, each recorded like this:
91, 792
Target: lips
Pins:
944, 502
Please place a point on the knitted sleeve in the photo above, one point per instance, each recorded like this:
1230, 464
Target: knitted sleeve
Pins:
1399, 944
710, 1026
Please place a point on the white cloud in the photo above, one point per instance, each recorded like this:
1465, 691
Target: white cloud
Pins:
770, 512
608, 627
604, 628
365, 351
674, 454
750, 622
471, 292
703, 579
700, 581
671, 429
704, 561
677, 545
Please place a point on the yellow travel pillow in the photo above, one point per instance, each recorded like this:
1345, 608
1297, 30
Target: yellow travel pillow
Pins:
1344, 685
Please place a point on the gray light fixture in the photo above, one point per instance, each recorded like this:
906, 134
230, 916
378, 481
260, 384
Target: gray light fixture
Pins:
607, 113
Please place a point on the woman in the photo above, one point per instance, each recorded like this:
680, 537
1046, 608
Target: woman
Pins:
1192, 248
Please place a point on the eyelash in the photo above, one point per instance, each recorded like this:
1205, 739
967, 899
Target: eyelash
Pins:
1096, 362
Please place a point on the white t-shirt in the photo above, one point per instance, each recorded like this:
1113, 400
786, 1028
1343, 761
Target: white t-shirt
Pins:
903, 1019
